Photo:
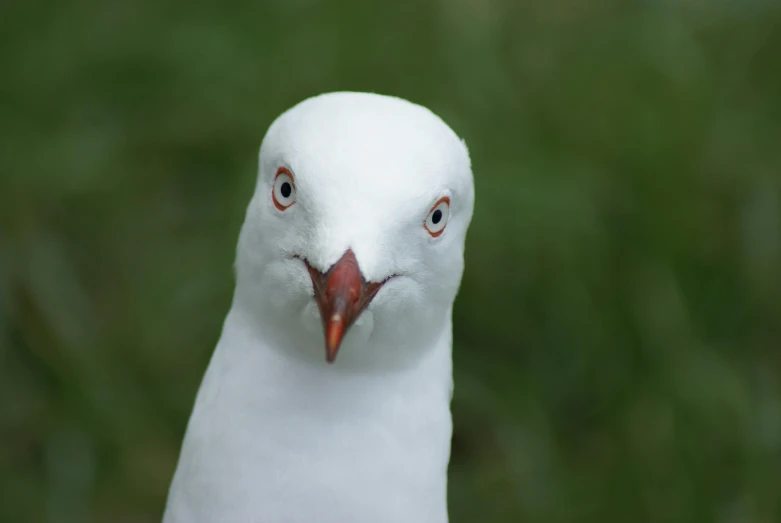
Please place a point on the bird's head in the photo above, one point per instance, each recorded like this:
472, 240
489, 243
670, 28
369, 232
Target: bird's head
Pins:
354, 237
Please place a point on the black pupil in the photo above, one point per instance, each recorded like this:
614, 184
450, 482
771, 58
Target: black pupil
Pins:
436, 216
285, 189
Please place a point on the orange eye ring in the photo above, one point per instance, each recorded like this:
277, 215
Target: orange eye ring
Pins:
437, 218
283, 190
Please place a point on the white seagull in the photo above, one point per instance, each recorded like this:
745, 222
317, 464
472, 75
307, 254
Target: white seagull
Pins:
354, 238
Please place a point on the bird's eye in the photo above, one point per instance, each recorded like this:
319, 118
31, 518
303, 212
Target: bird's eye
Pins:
284, 191
437, 218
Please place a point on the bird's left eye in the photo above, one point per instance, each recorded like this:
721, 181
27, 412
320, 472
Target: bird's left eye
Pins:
437, 218
284, 191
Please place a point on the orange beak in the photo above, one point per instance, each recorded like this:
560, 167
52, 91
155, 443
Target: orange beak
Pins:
342, 294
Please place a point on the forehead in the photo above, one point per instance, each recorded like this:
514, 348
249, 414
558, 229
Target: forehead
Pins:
367, 145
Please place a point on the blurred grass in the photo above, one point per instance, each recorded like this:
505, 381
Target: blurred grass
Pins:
619, 325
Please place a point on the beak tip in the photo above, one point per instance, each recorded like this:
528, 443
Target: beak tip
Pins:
333, 337
331, 348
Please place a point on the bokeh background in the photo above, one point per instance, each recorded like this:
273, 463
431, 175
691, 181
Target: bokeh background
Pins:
618, 332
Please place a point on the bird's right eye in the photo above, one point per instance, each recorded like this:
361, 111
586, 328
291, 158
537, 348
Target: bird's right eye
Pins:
284, 191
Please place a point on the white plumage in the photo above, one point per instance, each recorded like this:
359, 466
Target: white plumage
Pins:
279, 435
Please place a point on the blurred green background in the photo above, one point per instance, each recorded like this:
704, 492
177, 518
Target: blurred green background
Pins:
618, 332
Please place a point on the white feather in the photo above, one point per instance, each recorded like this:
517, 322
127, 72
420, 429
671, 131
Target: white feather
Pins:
279, 435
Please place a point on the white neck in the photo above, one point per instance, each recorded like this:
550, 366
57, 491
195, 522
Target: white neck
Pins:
279, 439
